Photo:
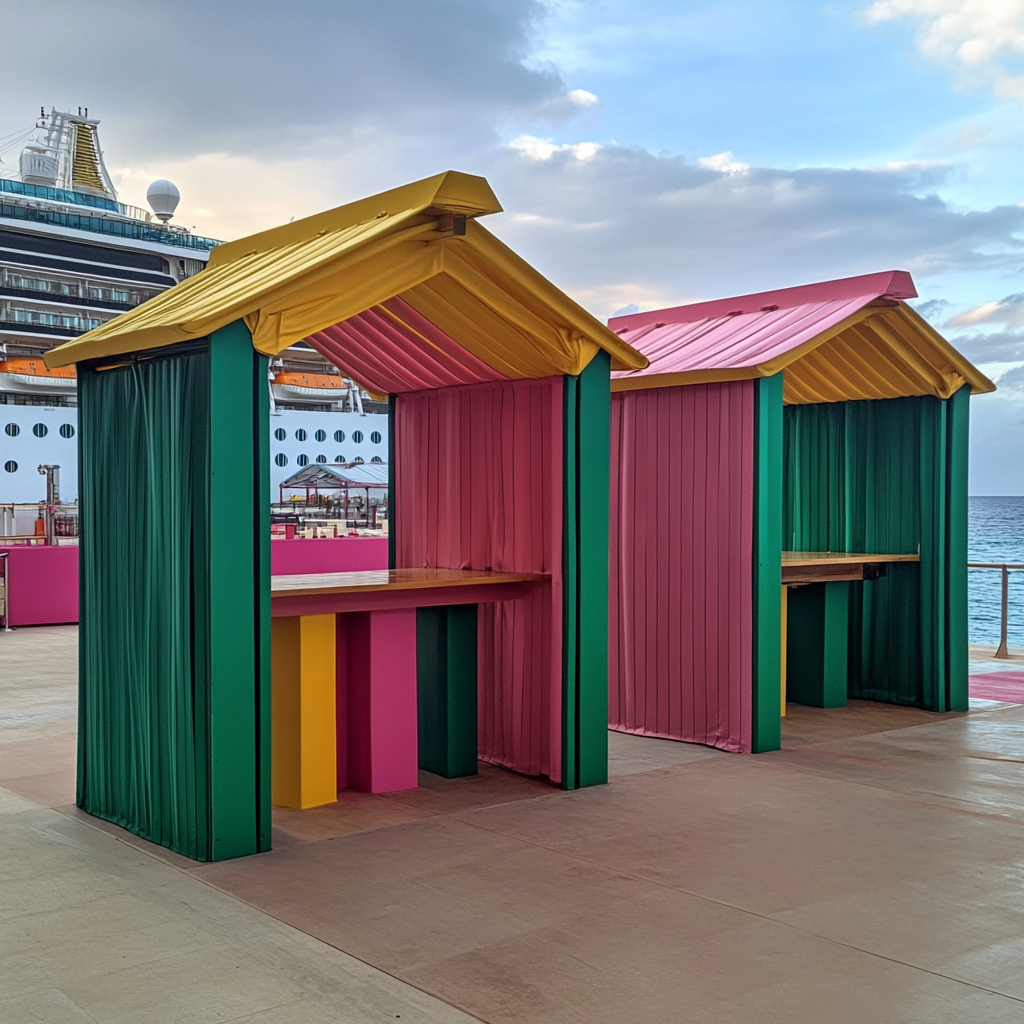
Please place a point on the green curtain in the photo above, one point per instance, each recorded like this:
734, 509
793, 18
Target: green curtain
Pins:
143, 739
889, 477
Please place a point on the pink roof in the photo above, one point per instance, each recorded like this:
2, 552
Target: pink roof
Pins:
750, 330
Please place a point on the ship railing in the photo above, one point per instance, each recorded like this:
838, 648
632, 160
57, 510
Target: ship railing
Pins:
1002, 651
141, 231
72, 198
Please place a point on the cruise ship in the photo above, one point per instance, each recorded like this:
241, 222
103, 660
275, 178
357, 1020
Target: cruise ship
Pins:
72, 256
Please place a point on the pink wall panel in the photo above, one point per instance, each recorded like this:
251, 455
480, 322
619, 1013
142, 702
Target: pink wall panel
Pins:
327, 554
680, 580
478, 477
43, 584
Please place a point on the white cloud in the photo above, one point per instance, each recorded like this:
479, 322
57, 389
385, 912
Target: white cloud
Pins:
1009, 312
545, 149
724, 163
982, 39
256, 76
582, 98
627, 226
226, 196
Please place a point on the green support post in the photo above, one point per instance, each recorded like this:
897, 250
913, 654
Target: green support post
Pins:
817, 644
934, 557
446, 688
586, 457
958, 421
767, 588
239, 596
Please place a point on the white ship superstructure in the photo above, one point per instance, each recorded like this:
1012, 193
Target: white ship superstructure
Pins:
72, 256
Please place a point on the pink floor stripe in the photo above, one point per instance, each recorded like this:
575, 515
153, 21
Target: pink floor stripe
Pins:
1005, 686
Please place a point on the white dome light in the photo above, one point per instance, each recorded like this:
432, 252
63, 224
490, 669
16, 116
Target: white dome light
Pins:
163, 196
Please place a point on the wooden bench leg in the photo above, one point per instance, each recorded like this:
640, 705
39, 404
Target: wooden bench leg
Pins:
376, 701
302, 699
447, 689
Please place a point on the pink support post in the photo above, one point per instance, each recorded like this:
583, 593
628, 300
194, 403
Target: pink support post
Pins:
376, 701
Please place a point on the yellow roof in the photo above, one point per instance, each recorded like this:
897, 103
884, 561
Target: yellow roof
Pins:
888, 352
295, 280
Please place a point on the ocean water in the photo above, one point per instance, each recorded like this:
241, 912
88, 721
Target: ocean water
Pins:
995, 533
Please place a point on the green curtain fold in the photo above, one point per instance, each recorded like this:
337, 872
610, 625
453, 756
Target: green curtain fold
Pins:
144, 675
889, 477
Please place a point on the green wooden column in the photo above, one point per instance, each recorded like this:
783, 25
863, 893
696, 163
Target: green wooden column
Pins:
958, 438
446, 688
585, 496
818, 628
767, 633
239, 597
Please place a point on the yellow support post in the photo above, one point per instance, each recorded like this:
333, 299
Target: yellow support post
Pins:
304, 760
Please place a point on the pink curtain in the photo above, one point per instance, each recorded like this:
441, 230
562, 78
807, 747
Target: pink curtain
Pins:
680, 581
479, 486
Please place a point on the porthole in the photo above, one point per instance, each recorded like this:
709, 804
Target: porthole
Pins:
321, 435
339, 458
357, 459
300, 434
40, 430
357, 437
303, 460
66, 430
375, 437
280, 433
12, 430
11, 467
377, 458
322, 459
281, 459
339, 436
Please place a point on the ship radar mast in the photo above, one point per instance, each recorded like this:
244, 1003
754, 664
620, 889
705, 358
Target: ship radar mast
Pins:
66, 154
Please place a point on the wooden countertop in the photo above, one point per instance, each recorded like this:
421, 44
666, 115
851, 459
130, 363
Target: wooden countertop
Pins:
794, 558
366, 581
800, 567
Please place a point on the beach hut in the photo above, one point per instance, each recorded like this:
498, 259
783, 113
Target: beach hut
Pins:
814, 437
487, 637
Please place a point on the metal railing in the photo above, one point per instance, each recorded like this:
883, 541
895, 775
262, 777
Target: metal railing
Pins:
107, 226
1002, 651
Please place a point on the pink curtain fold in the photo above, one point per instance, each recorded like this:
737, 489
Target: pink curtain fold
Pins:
478, 482
680, 567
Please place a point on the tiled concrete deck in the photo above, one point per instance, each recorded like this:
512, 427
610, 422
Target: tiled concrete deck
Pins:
871, 871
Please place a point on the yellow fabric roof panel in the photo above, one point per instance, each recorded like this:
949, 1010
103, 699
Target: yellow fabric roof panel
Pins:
293, 281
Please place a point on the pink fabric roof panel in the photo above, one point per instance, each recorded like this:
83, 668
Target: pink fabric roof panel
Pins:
751, 329
393, 349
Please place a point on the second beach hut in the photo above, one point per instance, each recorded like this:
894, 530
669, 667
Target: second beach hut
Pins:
814, 437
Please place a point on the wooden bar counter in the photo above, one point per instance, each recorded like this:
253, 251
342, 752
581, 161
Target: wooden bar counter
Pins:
815, 620
374, 676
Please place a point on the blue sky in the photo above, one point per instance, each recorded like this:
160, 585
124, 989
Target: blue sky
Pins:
646, 153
